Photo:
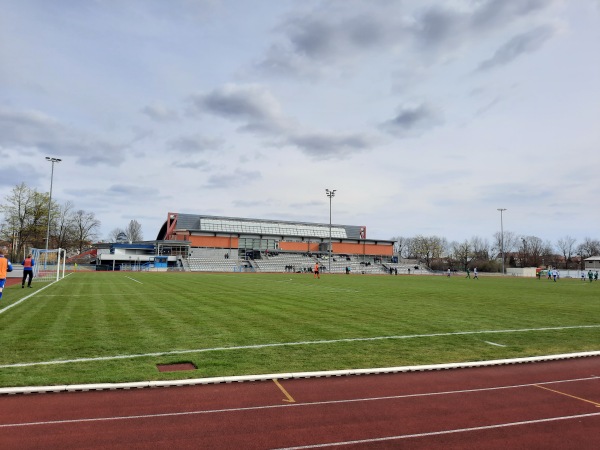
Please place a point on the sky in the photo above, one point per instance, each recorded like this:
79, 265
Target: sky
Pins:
424, 116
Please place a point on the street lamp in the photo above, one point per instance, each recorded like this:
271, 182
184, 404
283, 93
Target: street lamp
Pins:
330, 194
52, 160
502, 237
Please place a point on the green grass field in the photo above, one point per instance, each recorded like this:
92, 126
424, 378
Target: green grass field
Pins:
116, 327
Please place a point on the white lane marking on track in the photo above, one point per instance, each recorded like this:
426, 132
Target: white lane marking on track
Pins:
284, 344
307, 404
439, 433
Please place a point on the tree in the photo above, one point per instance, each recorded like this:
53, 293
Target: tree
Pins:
481, 248
429, 248
589, 247
566, 245
114, 235
134, 231
63, 226
533, 251
402, 246
462, 253
85, 228
26, 218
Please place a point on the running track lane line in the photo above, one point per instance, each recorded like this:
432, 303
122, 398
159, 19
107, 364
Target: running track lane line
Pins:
294, 405
438, 433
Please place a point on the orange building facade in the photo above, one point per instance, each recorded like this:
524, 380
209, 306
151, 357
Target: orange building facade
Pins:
258, 235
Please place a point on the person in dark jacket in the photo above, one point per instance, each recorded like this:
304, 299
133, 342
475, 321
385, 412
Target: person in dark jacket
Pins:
28, 264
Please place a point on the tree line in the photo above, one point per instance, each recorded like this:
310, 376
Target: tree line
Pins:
519, 251
28, 212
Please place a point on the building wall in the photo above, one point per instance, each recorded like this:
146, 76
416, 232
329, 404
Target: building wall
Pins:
592, 264
522, 272
362, 249
214, 241
299, 246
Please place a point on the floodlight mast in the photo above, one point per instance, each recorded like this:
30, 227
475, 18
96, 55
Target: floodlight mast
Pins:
51, 160
502, 237
330, 194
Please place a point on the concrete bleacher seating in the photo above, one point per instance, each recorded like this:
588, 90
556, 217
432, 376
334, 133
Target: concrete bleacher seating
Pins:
221, 260
279, 262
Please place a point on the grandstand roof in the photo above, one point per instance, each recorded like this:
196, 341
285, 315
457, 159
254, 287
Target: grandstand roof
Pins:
237, 225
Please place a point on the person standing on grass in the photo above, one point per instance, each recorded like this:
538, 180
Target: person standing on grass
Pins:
316, 270
5, 266
28, 264
475, 277
468, 273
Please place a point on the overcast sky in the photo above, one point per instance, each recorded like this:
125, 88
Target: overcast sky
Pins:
425, 116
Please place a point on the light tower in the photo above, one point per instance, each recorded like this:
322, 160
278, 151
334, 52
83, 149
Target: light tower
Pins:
52, 160
502, 237
330, 194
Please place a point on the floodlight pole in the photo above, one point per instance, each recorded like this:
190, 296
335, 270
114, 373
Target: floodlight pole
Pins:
51, 160
330, 194
502, 237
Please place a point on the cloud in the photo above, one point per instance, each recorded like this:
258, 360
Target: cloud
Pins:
493, 13
250, 104
329, 145
333, 35
235, 179
159, 113
196, 165
131, 191
15, 174
413, 121
195, 144
518, 45
330, 35
33, 129
259, 111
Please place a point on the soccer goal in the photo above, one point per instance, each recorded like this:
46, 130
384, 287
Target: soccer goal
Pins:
49, 264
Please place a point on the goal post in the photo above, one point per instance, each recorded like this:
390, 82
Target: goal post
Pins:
49, 264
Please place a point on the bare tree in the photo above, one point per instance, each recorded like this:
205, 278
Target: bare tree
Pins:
134, 231
533, 251
481, 248
589, 247
428, 248
401, 246
566, 245
113, 236
462, 253
63, 226
85, 228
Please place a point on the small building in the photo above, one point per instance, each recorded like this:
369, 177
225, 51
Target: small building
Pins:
592, 263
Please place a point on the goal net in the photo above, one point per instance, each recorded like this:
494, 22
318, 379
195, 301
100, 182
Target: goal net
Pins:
49, 264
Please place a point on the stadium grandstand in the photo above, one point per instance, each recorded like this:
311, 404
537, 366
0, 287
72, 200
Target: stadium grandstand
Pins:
202, 243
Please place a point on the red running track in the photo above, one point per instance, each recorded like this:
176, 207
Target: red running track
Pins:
551, 405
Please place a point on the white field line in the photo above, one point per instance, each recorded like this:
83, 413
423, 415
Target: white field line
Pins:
285, 344
133, 279
37, 291
306, 404
493, 343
